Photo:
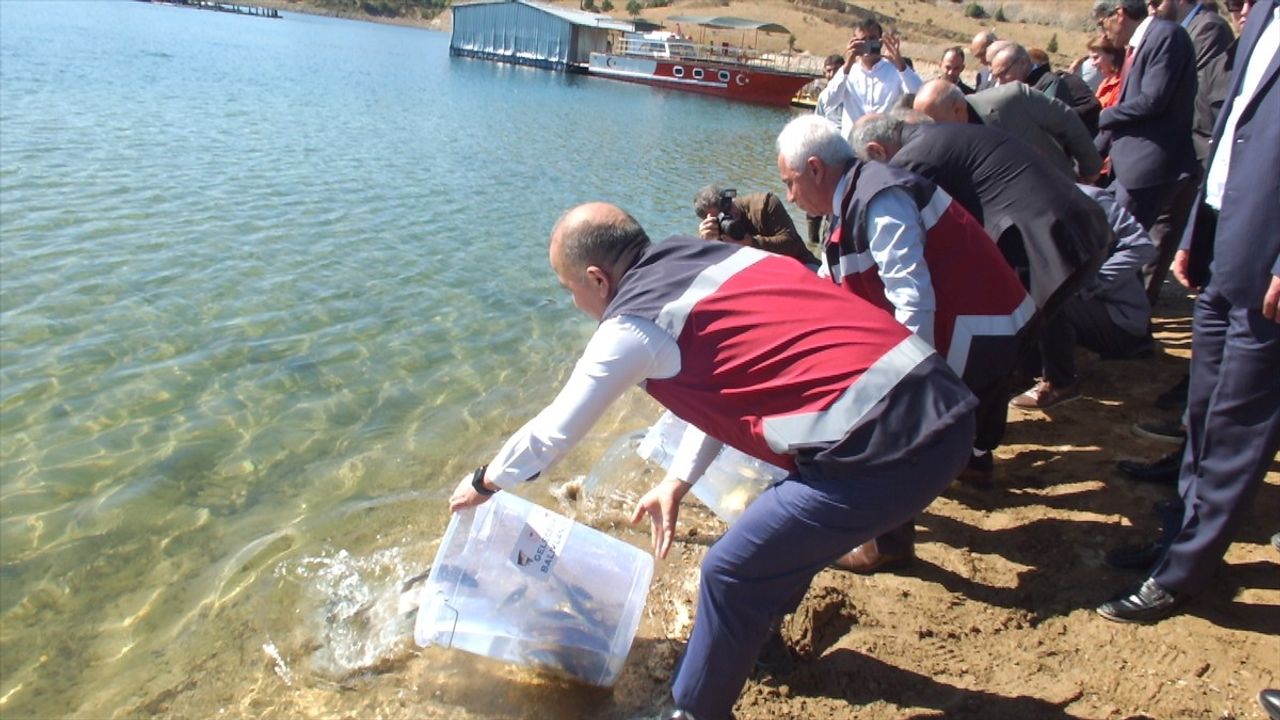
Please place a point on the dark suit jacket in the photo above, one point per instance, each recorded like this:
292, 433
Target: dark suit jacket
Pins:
1148, 132
1212, 38
1003, 183
1246, 253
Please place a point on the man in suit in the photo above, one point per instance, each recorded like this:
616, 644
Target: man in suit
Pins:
1233, 404
1043, 123
1148, 132
1053, 235
953, 66
978, 48
1211, 37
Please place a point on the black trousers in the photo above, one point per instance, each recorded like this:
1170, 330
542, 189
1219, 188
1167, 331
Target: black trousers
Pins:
1085, 323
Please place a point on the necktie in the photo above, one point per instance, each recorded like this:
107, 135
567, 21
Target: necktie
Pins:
1128, 65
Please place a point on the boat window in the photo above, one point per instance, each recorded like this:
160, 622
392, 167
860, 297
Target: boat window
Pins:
678, 71
724, 76
697, 73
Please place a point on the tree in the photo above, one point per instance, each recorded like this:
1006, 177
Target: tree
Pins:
633, 8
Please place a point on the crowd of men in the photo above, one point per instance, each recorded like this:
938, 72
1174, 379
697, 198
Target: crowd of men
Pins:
966, 238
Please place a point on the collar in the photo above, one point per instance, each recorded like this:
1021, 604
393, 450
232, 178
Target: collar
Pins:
1140, 32
1186, 21
837, 199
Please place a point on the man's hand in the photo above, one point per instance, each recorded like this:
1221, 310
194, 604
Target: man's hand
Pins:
709, 228
466, 496
853, 51
1271, 301
891, 47
662, 504
1180, 267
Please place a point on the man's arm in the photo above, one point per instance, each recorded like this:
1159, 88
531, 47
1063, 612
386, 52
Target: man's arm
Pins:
1210, 37
1060, 121
622, 353
1133, 248
896, 241
1164, 65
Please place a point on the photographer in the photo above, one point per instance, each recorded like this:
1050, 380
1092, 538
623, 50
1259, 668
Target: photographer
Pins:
757, 220
875, 76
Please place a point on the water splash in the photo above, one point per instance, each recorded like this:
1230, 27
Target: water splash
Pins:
356, 610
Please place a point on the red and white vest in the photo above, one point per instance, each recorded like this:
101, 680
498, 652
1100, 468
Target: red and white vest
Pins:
773, 359
981, 305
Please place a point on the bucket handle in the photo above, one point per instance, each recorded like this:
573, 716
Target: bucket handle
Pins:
453, 627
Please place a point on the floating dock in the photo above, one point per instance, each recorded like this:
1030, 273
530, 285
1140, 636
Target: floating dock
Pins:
234, 8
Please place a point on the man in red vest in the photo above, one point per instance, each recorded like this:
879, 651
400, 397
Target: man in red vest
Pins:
757, 352
903, 244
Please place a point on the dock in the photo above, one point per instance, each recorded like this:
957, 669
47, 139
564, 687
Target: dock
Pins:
215, 5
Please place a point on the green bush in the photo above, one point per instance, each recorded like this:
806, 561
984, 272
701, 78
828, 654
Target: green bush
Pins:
974, 10
633, 8
1053, 44
1000, 15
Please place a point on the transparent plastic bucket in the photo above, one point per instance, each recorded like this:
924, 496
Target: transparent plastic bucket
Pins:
732, 481
518, 583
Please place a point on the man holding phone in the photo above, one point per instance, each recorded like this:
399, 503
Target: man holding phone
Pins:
874, 77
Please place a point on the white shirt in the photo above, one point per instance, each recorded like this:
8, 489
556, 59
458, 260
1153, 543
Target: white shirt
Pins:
863, 91
1259, 59
832, 111
896, 238
624, 352
1140, 32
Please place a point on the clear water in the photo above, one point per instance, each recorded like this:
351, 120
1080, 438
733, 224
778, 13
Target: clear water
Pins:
268, 288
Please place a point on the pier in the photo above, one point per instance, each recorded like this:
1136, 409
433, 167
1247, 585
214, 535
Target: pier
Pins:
235, 8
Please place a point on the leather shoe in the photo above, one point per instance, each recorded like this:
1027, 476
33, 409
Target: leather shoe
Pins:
1151, 603
1136, 557
867, 559
979, 471
1163, 471
1270, 701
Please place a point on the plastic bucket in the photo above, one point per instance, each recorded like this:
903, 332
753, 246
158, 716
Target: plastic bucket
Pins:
732, 481
518, 583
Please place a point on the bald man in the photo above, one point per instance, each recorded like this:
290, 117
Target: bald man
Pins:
1043, 123
981, 43
868, 420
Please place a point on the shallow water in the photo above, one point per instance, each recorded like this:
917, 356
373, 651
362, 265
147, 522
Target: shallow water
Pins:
268, 288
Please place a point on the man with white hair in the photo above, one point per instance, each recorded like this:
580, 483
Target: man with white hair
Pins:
903, 244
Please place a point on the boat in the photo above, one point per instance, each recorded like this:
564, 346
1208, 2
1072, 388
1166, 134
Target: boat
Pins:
669, 59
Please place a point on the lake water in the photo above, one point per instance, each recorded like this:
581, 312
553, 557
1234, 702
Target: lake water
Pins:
268, 289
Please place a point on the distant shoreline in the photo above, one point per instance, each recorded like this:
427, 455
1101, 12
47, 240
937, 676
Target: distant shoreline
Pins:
442, 22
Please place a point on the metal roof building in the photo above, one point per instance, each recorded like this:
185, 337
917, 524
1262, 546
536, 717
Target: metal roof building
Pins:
530, 33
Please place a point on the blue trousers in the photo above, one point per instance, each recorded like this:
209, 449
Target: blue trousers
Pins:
761, 567
1233, 430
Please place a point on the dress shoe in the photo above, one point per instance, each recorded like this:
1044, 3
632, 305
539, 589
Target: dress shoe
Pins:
1175, 398
1135, 557
1270, 701
1151, 603
979, 471
775, 657
1162, 472
1044, 395
866, 559
1170, 431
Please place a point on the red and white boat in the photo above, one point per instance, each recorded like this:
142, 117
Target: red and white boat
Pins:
668, 59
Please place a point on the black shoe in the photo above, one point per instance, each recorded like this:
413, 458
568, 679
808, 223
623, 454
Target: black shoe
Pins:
775, 657
1175, 398
1270, 701
1135, 557
1151, 603
1163, 471
980, 470
1170, 431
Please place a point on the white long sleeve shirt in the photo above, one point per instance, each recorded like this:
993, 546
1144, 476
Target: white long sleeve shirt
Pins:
861, 91
624, 352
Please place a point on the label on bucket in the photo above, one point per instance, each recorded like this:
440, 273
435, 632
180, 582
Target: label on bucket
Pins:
540, 542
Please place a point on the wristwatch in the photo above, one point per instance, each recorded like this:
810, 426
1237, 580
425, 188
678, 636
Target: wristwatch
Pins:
477, 481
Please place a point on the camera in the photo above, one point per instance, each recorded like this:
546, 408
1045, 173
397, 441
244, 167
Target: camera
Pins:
735, 228
874, 46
